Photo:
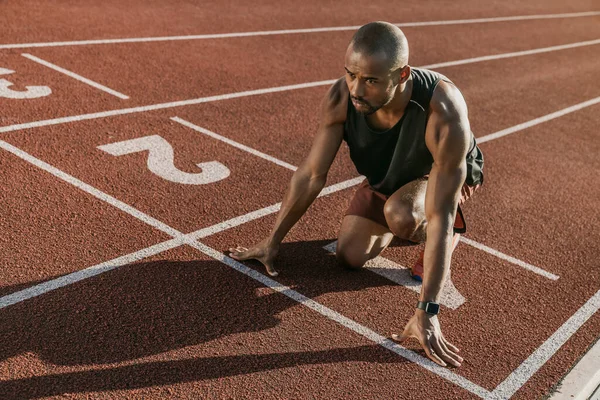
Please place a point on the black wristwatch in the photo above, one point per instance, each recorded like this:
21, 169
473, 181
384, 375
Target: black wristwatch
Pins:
429, 307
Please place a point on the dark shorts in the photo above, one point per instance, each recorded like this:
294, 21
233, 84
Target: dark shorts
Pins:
368, 203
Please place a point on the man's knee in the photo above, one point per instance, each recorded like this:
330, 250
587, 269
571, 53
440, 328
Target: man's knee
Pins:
349, 258
404, 221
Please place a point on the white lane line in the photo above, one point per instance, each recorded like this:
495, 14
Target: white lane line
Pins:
75, 76
234, 144
514, 54
179, 239
450, 296
539, 120
543, 353
86, 273
228, 96
470, 242
510, 259
161, 106
126, 208
354, 326
293, 31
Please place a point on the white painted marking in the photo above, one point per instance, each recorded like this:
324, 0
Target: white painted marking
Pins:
181, 103
126, 208
543, 353
354, 326
537, 121
4, 71
234, 143
86, 273
293, 31
450, 296
583, 380
510, 259
513, 54
32, 92
75, 76
161, 161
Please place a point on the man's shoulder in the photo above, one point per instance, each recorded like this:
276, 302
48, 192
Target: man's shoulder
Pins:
449, 132
335, 104
447, 102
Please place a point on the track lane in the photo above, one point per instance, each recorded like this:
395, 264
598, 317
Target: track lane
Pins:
66, 21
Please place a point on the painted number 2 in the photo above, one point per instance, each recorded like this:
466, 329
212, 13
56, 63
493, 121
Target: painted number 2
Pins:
32, 92
160, 161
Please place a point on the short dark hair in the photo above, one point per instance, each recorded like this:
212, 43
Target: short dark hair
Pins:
382, 37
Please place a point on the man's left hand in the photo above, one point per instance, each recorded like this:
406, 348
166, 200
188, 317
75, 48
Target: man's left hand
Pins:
426, 329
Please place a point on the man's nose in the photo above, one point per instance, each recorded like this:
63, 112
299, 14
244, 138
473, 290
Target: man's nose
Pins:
358, 89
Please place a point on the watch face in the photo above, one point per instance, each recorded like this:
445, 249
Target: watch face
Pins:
432, 308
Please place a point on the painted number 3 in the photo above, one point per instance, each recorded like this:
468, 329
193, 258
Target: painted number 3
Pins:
160, 161
32, 92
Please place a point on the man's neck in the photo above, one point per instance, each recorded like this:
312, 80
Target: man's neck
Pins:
389, 115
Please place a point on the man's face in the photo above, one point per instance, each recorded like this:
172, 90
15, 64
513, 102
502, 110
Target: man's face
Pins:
370, 81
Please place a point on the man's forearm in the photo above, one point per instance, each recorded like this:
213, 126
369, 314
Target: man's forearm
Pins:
436, 261
302, 191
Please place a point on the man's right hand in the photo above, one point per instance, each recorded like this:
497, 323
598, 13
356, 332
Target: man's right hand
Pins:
263, 252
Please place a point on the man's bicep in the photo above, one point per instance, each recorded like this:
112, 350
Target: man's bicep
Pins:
449, 168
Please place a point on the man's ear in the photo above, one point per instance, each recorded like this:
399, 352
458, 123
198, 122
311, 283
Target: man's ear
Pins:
401, 75
404, 74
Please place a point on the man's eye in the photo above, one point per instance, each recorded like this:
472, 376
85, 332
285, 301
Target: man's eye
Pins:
371, 81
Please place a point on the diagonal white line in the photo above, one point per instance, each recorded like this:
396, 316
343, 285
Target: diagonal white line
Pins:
344, 321
90, 189
234, 144
293, 31
510, 259
513, 54
161, 106
228, 96
86, 273
537, 121
75, 76
543, 353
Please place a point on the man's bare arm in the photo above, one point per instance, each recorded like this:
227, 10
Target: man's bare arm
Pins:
448, 138
308, 180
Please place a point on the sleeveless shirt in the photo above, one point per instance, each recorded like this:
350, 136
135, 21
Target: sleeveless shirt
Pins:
390, 159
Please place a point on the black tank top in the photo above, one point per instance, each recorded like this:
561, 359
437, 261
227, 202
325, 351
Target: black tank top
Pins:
393, 158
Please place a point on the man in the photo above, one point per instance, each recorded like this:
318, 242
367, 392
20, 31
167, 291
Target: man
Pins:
408, 132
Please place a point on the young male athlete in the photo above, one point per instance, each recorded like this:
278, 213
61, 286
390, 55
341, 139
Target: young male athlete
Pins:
408, 132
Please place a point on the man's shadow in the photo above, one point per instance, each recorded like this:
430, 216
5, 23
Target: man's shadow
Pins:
148, 308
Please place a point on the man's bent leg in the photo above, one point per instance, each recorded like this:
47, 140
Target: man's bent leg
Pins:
360, 240
405, 211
